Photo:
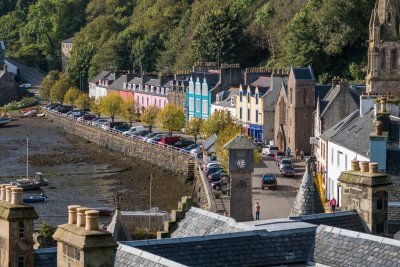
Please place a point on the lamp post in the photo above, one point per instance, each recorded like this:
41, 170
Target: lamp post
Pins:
339, 185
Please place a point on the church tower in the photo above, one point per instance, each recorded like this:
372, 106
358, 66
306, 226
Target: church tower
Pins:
383, 73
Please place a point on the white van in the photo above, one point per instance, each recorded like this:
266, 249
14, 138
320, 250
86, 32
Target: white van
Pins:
133, 130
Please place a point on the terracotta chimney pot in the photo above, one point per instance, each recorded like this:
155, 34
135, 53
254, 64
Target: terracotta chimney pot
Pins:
72, 213
364, 166
383, 105
8, 193
80, 220
92, 220
355, 165
3, 192
16, 196
373, 167
378, 128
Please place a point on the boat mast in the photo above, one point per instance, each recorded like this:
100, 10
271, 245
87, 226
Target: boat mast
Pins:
27, 158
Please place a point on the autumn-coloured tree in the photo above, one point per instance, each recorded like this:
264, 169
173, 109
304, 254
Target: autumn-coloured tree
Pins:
111, 105
60, 88
193, 127
71, 96
129, 110
217, 122
171, 118
95, 106
149, 116
83, 101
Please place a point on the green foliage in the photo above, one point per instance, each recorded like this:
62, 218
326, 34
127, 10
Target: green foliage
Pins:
357, 72
47, 83
60, 88
95, 106
171, 118
226, 134
216, 123
46, 230
83, 101
149, 116
111, 105
71, 96
142, 234
129, 110
193, 127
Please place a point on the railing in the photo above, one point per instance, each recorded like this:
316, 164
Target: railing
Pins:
119, 133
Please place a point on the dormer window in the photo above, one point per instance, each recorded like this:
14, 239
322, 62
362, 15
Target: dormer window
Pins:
241, 96
232, 101
162, 90
124, 86
146, 88
166, 91
257, 99
158, 90
152, 89
133, 87
218, 99
129, 86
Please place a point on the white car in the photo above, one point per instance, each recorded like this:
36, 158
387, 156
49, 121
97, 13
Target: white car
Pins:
269, 150
26, 85
99, 122
133, 130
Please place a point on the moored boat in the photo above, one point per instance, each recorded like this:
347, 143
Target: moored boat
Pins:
4, 121
35, 199
31, 184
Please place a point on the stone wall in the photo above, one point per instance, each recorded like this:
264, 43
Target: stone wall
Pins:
8, 88
158, 155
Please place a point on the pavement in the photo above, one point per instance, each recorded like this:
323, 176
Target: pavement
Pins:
276, 203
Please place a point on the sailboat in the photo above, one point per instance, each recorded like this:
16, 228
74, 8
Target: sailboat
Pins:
30, 184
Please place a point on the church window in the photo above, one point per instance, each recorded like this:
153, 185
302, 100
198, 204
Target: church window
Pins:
394, 59
383, 59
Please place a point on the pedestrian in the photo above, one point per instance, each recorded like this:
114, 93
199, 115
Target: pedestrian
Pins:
332, 203
257, 211
297, 153
301, 154
288, 151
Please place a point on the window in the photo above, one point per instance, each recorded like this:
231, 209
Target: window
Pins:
240, 113
197, 105
142, 100
204, 89
338, 158
191, 87
389, 17
345, 162
191, 104
232, 101
198, 88
21, 261
304, 97
152, 89
248, 114
205, 107
241, 96
383, 59
155, 102
147, 102
248, 96
257, 99
159, 103
137, 99
394, 59
21, 229
379, 204
332, 156
256, 116
291, 95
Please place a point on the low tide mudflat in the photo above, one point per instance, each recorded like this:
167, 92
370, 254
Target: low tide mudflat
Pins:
80, 172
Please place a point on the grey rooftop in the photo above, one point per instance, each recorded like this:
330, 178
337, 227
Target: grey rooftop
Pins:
239, 142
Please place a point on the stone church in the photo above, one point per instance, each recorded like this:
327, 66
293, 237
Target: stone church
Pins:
383, 73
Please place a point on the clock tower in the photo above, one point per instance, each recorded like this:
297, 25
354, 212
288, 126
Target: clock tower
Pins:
240, 163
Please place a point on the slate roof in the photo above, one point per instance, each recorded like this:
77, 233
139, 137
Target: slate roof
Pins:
46, 257
303, 73
68, 41
240, 141
198, 222
245, 248
340, 247
349, 220
117, 227
226, 102
340, 125
212, 78
355, 135
209, 142
308, 200
100, 76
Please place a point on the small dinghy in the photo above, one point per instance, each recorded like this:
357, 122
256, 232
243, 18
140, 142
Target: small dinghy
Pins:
35, 199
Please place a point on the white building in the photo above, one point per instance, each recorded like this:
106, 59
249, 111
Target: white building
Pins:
226, 100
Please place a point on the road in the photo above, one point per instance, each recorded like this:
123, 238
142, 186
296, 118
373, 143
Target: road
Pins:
276, 203
28, 74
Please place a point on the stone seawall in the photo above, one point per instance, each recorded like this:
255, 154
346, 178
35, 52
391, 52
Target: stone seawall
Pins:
161, 156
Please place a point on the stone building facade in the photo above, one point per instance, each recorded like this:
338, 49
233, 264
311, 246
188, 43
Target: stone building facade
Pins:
66, 47
9, 88
294, 111
383, 74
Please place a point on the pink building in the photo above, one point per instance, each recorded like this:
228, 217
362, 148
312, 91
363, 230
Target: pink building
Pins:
153, 92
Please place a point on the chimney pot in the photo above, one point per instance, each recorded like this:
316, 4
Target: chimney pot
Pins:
3, 192
8, 193
16, 197
383, 105
355, 165
72, 213
80, 219
92, 220
378, 128
373, 167
364, 166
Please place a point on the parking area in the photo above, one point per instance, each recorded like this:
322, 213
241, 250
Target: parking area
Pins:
276, 203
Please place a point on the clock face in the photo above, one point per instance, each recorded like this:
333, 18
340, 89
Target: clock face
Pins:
241, 163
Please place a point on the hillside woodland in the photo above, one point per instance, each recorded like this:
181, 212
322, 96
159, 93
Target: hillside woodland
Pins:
169, 35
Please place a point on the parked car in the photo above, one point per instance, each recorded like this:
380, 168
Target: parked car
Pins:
212, 170
76, 113
142, 133
217, 175
269, 150
133, 130
51, 106
156, 138
209, 163
64, 109
183, 143
98, 121
259, 146
285, 162
197, 152
120, 127
288, 170
87, 117
151, 135
269, 180
170, 140
217, 185
26, 85
278, 156
189, 148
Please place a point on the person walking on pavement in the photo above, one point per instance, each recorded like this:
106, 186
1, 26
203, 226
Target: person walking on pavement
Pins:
257, 211
301, 154
288, 151
332, 204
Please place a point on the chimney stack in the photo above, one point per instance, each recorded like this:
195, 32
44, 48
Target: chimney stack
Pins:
92, 220
72, 213
80, 222
16, 196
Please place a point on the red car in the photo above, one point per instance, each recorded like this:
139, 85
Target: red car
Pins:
278, 156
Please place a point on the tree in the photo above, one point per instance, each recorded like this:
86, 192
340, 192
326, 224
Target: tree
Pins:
83, 101
226, 134
95, 106
129, 110
149, 116
171, 118
218, 35
193, 127
111, 105
217, 122
47, 83
60, 88
71, 96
